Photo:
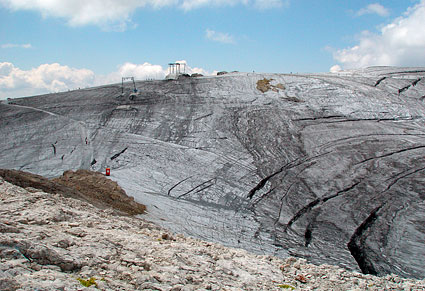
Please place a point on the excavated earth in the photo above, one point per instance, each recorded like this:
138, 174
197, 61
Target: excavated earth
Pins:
84, 185
326, 167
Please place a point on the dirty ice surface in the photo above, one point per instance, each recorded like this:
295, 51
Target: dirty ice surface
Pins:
328, 167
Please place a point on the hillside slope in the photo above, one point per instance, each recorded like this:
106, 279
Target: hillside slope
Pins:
329, 167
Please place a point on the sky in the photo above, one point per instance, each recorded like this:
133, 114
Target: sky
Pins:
59, 45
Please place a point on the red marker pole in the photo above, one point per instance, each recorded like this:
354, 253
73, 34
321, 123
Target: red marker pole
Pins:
108, 171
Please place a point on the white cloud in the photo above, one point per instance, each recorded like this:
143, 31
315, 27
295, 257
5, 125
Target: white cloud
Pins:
374, 8
261, 4
400, 43
47, 78
43, 79
335, 69
117, 14
80, 12
13, 45
142, 71
138, 71
193, 4
219, 36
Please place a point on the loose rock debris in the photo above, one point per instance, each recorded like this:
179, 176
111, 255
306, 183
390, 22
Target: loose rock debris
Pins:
51, 242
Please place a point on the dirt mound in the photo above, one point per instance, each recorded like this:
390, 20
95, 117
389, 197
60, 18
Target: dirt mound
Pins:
84, 185
26, 180
96, 187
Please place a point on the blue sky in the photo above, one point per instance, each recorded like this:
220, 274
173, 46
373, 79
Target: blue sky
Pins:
54, 45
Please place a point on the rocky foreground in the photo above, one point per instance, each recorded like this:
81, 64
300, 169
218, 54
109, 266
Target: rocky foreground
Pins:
52, 242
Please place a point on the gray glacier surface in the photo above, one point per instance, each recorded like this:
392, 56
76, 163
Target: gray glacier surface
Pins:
327, 167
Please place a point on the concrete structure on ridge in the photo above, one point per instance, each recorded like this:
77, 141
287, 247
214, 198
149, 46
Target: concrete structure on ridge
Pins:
175, 70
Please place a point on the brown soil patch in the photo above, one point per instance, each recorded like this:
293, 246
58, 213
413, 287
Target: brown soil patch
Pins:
264, 86
95, 186
280, 86
92, 187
